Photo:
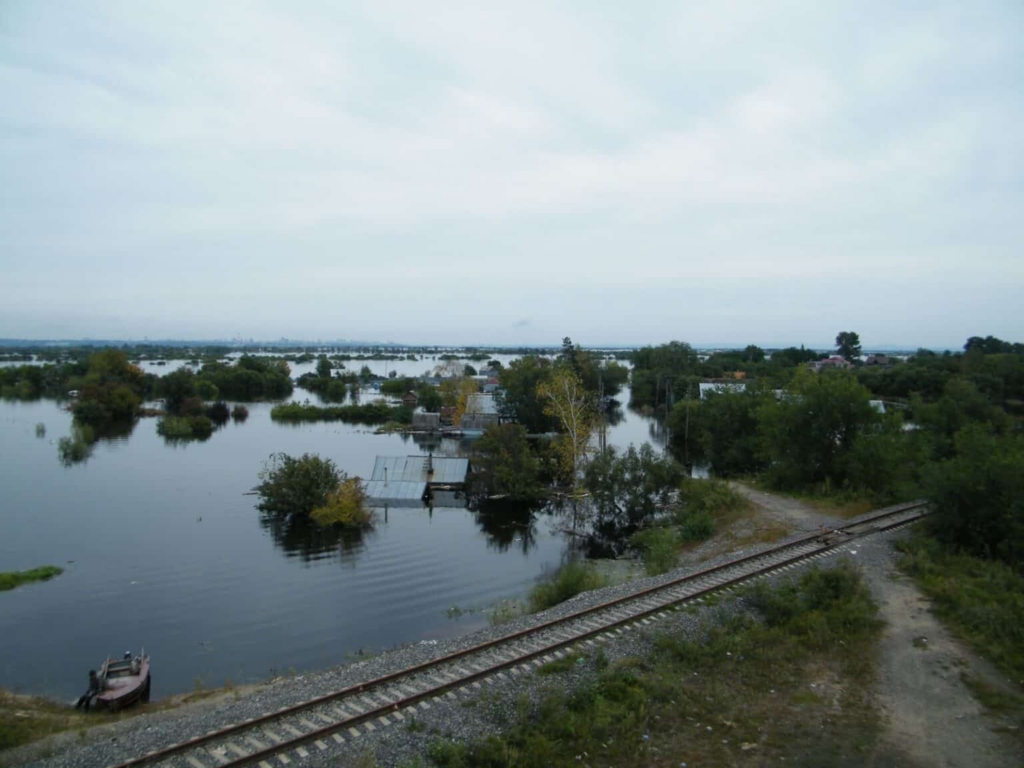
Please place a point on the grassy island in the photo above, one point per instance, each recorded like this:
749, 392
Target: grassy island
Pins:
12, 579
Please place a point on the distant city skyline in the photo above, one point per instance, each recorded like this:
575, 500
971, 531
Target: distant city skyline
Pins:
469, 173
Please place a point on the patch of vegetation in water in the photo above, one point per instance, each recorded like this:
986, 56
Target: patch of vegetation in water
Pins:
12, 579
369, 413
185, 427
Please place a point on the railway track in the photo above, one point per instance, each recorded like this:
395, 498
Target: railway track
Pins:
296, 732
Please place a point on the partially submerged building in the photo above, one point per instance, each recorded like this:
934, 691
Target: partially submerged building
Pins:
406, 480
481, 413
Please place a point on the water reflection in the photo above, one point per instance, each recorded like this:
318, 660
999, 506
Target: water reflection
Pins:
508, 524
300, 537
78, 448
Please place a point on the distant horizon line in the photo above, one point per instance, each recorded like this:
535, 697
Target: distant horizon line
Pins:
283, 342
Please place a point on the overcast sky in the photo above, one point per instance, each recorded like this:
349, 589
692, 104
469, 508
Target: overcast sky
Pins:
769, 172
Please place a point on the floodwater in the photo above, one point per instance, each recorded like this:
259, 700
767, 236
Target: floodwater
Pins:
163, 548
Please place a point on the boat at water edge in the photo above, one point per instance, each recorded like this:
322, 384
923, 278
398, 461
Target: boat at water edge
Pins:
118, 684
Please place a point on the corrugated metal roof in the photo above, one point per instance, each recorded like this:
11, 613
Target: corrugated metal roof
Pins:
450, 470
413, 469
478, 403
395, 492
393, 464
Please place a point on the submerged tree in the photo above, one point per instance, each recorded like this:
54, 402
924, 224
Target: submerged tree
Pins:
627, 489
505, 464
296, 486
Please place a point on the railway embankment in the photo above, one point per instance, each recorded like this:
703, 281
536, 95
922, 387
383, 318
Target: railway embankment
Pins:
713, 681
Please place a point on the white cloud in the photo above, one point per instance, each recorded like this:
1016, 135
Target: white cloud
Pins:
733, 150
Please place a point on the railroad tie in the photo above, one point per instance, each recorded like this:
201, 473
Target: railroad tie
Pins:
236, 749
218, 755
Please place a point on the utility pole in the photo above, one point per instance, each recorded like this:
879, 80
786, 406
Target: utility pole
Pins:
686, 433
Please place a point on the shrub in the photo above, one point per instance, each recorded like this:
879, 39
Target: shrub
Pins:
660, 547
185, 427
346, 506
218, 413
239, 413
568, 581
711, 495
296, 486
822, 608
40, 430
695, 526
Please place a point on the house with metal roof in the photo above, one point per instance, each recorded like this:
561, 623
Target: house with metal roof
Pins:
481, 412
406, 480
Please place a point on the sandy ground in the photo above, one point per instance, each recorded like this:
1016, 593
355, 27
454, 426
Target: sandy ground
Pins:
930, 715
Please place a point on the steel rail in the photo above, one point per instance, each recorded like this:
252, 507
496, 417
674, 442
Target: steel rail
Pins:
397, 704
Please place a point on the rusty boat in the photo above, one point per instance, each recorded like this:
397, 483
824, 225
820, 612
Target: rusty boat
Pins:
119, 683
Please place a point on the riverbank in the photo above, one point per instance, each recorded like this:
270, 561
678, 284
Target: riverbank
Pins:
151, 731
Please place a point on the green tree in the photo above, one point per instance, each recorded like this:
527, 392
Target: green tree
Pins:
626, 490
505, 464
806, 435
323, 367
430, 398
176, 388
661, 371
961, 405
753, 354
519, 402
848, 345
722, 429
978, 496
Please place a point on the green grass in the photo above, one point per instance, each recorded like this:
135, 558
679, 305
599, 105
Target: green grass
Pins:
705, 506
660, 549
982, 601
565, 664
12, 579
740, 695
568, 581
